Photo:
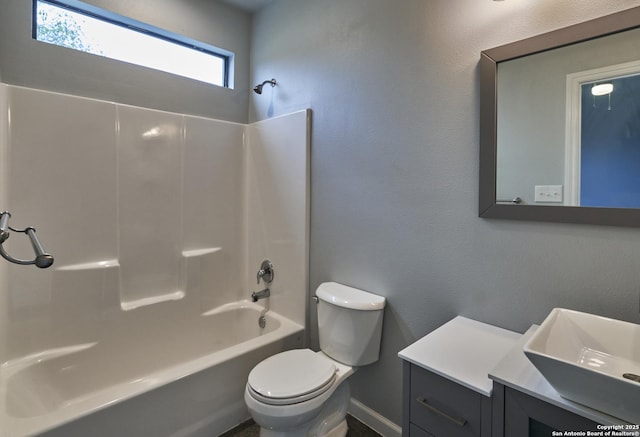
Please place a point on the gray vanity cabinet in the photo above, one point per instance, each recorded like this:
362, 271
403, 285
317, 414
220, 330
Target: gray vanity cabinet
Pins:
434, 406
519, 415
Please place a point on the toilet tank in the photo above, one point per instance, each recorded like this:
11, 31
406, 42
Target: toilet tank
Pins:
349, 323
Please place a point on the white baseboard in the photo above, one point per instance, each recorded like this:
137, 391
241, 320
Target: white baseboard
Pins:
373, 419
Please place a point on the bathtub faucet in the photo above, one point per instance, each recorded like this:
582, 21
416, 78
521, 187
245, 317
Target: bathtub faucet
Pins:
257, 295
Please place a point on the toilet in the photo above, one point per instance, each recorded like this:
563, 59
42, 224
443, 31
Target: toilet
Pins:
305, 393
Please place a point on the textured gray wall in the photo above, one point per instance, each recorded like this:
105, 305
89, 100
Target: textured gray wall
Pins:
30, 63
393, 86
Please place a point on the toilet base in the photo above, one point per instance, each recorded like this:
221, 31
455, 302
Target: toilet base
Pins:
330, 422
340, 430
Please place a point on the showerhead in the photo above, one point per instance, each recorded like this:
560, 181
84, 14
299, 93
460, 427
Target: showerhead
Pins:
258, 88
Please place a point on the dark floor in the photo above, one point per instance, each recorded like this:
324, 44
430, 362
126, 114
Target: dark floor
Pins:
250, 429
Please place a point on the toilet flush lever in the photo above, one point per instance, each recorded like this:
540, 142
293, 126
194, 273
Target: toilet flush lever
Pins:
266, 272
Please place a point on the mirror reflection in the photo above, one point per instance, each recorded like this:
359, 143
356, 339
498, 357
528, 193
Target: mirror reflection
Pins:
568, 125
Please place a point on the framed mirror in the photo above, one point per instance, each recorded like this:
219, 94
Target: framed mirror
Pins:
540, 100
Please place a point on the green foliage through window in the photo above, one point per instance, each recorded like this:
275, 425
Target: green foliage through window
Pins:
58, 26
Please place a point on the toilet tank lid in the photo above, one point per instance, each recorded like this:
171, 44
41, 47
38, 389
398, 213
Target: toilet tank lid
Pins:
349, 297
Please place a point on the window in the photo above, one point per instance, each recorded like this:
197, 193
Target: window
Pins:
85, 28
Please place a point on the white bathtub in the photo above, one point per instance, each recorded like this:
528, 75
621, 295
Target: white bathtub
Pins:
184, 379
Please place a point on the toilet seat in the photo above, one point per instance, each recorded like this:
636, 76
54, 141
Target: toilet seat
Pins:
291, 377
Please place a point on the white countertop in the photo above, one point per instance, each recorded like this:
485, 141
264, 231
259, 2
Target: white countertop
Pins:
516, 371
464, 351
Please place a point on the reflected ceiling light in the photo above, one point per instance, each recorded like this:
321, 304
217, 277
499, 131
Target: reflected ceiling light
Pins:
602, 89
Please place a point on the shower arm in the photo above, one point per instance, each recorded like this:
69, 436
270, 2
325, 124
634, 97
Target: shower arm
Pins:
258, 88
42, 259
271, 82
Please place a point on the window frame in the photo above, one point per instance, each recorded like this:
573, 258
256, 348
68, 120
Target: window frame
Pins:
140, 27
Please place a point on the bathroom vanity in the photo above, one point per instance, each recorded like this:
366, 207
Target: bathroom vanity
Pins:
470, 379
447, 390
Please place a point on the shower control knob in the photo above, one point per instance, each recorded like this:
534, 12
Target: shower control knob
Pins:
266, 272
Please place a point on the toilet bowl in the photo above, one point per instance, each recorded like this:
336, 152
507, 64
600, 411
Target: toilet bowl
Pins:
305, 393
303, 382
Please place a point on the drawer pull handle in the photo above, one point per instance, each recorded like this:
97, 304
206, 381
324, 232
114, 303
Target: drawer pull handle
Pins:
460, 421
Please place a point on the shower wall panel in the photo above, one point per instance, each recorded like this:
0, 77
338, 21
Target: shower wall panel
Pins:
60, 178
213, 207
278, 186
150, 148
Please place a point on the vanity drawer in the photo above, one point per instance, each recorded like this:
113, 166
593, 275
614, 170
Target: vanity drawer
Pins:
442, 407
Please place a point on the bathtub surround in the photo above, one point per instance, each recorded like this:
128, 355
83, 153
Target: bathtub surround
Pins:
158, 222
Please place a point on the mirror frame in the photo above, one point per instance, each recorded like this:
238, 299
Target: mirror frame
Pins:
489, 60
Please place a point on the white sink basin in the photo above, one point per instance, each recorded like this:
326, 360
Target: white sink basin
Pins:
588, 359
